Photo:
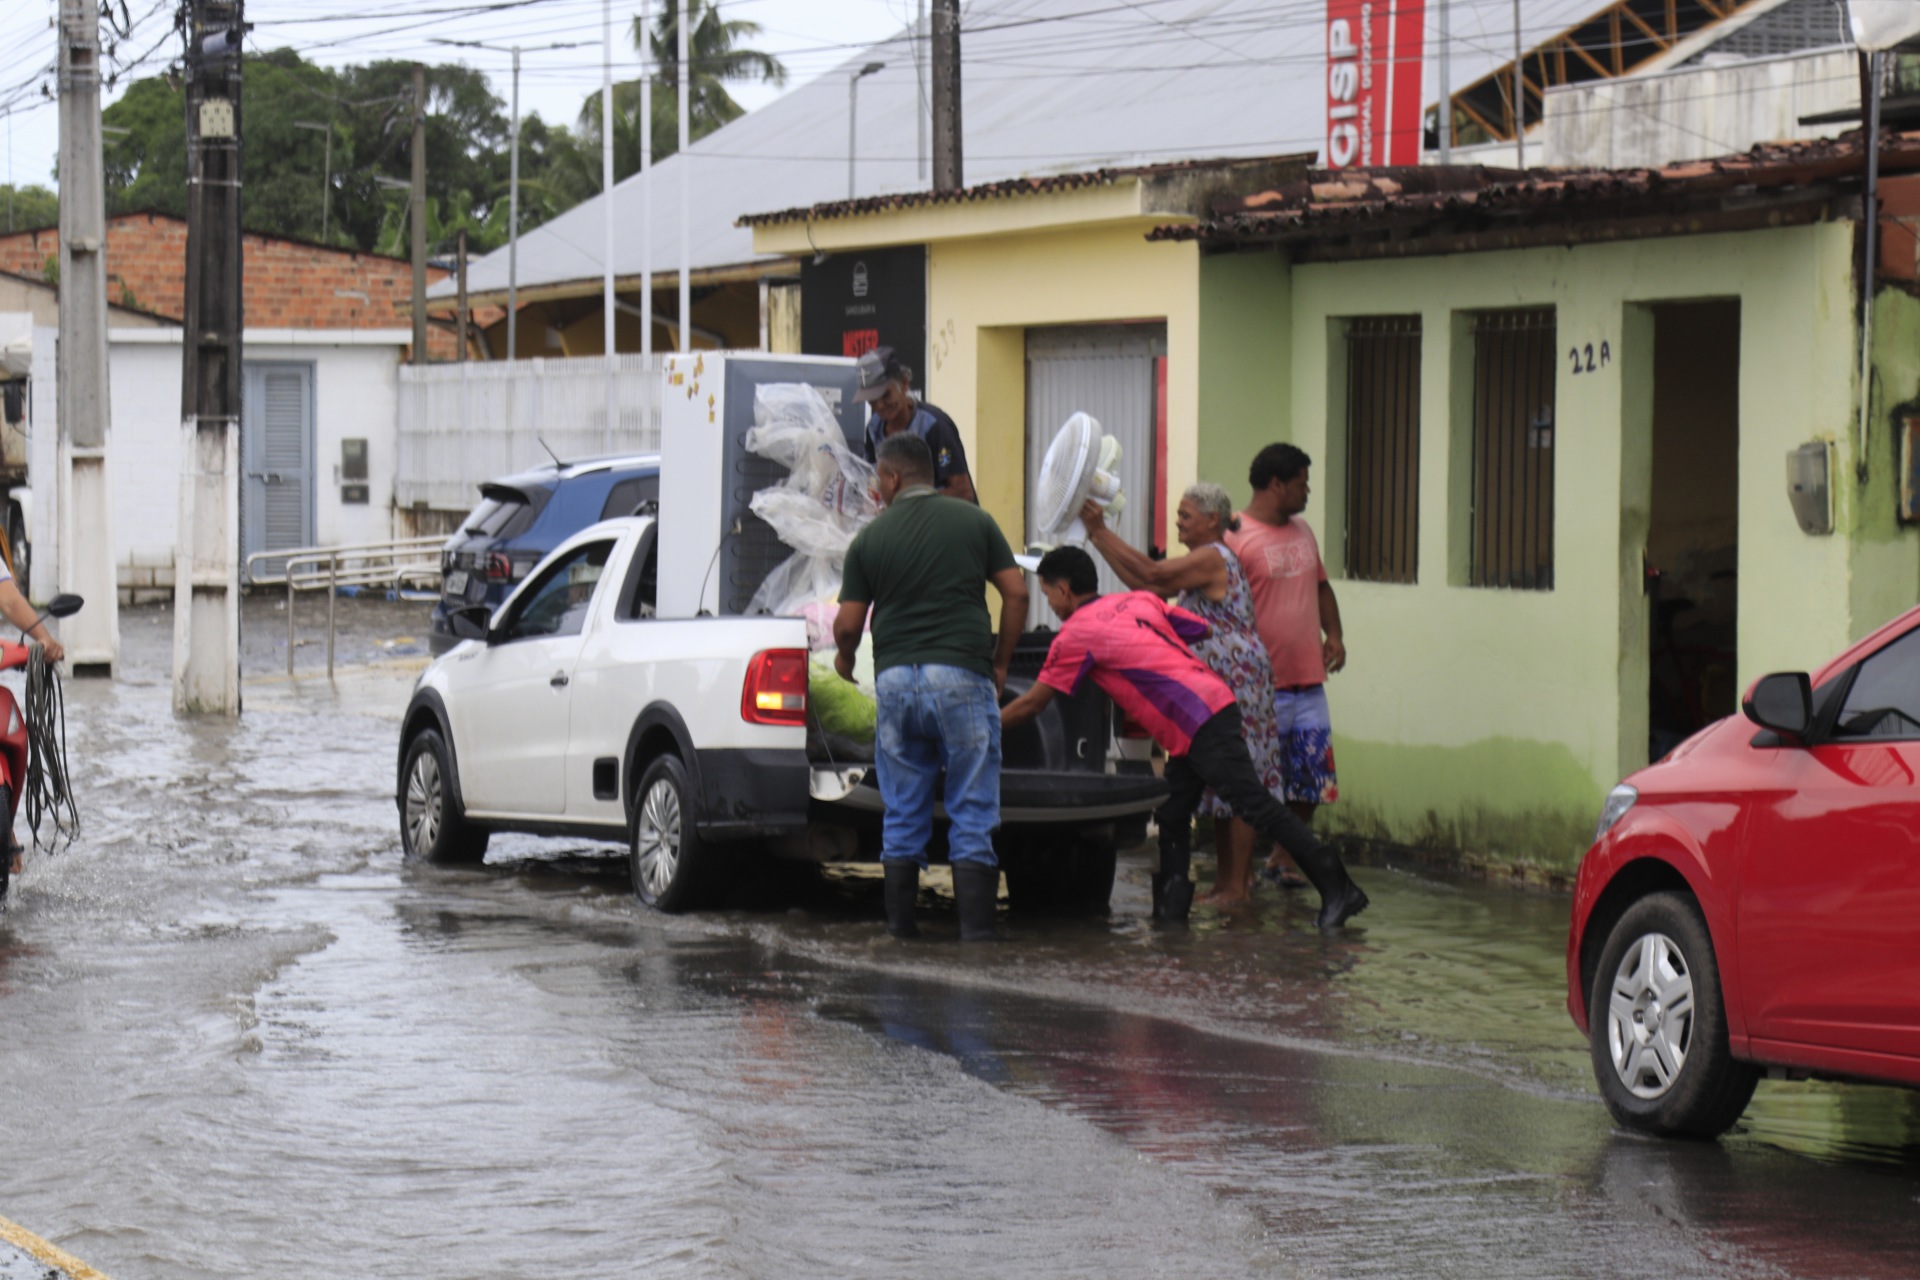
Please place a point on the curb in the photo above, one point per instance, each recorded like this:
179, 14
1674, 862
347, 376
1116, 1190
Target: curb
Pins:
51, 1255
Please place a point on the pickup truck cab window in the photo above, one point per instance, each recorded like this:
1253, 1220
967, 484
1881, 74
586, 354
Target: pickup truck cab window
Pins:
638, 594
557, 603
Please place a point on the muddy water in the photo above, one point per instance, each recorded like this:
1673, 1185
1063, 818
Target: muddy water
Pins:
245, 1040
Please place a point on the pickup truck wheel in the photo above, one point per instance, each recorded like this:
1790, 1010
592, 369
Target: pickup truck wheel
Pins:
1658, 1026
1064, 875
433, 827
670, 861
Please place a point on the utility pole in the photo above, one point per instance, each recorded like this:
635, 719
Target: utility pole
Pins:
681, 24
326, 172
1446, 86
947, 167
460, 303
853, 116
646, 183
513, 222
417, 213
1519, 89
920, 90
83, 504
610, 341
206, 576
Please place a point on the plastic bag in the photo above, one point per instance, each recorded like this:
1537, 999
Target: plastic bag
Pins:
826, 499
840, 706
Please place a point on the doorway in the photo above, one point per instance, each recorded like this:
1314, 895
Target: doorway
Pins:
276, 497
1117, 373
1693, 535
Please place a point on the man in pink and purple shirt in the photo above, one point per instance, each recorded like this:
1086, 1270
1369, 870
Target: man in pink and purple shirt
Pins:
1134, 646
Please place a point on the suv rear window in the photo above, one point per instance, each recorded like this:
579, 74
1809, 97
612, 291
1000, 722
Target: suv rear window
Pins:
502, 513
625, 497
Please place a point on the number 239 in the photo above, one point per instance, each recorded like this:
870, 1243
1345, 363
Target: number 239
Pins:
1587, 360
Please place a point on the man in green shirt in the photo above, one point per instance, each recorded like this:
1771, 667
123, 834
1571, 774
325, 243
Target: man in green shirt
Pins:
923, 567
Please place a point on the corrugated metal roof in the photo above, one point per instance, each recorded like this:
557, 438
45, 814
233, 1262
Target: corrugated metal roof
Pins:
1050, 87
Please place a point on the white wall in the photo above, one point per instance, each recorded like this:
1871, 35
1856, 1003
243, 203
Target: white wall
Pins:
1693, 113
355, 394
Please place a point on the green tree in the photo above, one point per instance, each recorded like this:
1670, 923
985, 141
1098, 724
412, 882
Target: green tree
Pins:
28, 208
717, 57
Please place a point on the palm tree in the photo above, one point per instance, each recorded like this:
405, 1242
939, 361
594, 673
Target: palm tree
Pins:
715, 52
713, 49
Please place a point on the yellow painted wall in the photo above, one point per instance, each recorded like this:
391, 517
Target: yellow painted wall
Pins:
984, 293
1494, 720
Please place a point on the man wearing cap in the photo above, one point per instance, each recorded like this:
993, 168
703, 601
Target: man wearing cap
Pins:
887, 386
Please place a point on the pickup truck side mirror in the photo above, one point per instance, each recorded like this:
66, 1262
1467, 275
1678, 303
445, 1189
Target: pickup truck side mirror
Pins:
470, 622
1782, 702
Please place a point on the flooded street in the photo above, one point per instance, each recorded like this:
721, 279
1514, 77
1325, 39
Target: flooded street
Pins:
244, 1039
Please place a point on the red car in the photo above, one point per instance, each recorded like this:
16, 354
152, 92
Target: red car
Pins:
1752, 901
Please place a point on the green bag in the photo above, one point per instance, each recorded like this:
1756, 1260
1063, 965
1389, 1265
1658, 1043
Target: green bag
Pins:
839, 706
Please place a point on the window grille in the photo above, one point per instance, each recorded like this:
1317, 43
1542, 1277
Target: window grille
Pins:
1383, 448
1513, 377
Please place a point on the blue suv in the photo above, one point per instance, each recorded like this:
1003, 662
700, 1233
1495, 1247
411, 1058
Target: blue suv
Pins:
521, 518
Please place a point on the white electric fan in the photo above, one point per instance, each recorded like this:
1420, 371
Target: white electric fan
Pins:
1080, 464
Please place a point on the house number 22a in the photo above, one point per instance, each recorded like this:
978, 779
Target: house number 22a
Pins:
1589, 360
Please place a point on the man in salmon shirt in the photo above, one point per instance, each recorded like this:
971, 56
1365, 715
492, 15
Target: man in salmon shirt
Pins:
1134, 646
1299, 623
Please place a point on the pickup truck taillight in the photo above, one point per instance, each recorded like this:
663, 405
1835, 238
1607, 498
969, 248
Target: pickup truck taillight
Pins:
775, 691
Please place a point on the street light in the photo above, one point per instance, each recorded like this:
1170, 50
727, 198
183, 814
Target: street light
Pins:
326, 178
853, 115
513, 182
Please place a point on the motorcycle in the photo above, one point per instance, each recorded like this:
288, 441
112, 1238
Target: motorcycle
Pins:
14, 740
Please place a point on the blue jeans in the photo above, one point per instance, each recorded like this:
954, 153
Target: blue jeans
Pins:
935, 718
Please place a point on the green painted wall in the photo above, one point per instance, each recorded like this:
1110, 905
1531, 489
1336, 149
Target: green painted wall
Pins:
1492, 722
1245, 336
1885, 570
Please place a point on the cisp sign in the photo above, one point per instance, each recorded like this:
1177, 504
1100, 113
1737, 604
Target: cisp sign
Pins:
1375, 54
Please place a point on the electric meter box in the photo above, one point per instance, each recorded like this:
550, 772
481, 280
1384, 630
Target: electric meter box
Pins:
714, 552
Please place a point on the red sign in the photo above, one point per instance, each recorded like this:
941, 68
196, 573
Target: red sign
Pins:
857, 342
1375, 54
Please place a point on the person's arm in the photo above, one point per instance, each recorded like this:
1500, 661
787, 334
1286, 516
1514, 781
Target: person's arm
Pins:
21, 613
1012, 586
1334, 646
1026, 706
848, 626
1205, 571
945, 438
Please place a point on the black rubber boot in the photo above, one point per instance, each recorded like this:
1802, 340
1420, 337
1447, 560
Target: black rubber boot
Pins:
903, 887
1172, 885
976, 892
1172, 898
1340, 898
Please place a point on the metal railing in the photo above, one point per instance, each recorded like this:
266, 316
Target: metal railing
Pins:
390, 564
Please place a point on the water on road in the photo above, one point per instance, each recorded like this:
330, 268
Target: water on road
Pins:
244, 1039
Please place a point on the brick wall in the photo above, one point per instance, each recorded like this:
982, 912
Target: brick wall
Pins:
289, 285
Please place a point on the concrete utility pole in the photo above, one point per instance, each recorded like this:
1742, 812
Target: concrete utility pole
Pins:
84, 499
947, 167
920, 90
206, 575
460, 302
513, 222
417, 213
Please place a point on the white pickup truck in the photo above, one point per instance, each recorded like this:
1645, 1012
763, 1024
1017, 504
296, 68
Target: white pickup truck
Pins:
574, 710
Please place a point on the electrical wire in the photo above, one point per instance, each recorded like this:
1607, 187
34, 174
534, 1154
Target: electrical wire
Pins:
47, 793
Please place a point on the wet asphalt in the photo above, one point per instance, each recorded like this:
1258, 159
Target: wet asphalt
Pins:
245, 1039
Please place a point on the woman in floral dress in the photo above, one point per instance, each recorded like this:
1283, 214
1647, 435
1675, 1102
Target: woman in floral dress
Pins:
1209, 582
